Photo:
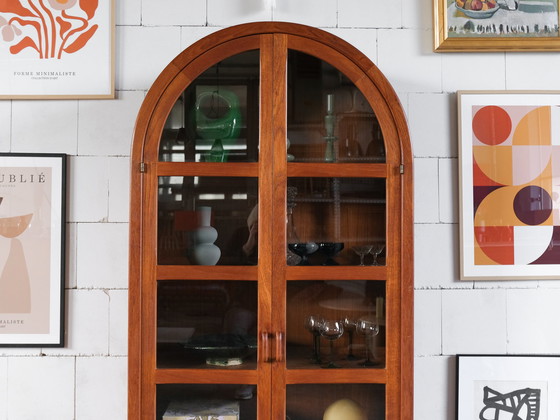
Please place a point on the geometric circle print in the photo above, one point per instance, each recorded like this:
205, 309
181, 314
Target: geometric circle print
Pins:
532, 205
530, 242
495, 162
491, 125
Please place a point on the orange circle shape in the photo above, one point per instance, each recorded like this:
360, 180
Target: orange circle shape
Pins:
491, 125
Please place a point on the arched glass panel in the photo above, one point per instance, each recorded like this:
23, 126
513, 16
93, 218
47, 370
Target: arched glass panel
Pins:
329, 119
216, 118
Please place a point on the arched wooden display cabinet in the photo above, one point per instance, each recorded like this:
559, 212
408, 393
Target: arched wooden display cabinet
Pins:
296, 148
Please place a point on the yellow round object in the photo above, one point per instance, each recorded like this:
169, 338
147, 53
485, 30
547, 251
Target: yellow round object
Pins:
344, 409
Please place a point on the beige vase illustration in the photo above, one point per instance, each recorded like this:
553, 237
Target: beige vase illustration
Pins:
15, 289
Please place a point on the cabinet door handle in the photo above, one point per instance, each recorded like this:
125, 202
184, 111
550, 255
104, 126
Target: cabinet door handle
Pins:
279, 346
265, 352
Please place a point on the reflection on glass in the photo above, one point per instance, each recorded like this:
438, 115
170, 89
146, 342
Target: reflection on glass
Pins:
320, 211
206, 401
322, 401
329, 119
310, 304
201, 324
216, 118
207, 220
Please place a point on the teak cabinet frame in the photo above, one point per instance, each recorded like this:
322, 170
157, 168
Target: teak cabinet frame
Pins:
273, 39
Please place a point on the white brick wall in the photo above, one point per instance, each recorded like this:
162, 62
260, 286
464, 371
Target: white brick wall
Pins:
87, 379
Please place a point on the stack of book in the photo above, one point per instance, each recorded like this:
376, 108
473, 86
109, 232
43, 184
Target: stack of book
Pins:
202, 410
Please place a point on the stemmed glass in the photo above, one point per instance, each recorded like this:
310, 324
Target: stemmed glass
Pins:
332, 330
350, 325
376, 249
313, 325
362, 251
369, 329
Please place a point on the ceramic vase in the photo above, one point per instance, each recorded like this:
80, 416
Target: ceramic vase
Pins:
205, 251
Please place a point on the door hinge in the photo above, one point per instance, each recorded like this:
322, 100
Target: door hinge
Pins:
401, 168
142, 167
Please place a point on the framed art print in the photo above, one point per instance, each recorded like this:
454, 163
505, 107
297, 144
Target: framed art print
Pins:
509, 172
32, 220
495, 387
496, 25
56, 49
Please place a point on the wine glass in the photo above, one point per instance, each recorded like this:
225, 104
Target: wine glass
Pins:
362, 251
368, 329
332, 330
376, 249
313, 325
350, 326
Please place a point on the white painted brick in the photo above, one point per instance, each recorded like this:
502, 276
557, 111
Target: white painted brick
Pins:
142, 54
173, 12
105, 127
426, 190
119, 189
436, 257
191, 34
128, 12
45, 126
3, 388
473, 71
233, 12
71, 255
538, 72
319, 13
406, 59
432, 122
434, 388
532, 324
87, 324
448, 191
370, 14
101, 388
118, 322
102, 255
427, 322
41, 388
364, 40
5, 125
88, 189
417, 14
474, 321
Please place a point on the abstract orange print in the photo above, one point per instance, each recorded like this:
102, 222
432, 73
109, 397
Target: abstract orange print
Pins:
50, 27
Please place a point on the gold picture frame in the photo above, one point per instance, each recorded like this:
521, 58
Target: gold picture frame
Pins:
503, 25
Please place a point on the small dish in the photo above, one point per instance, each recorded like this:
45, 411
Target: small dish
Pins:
478, 14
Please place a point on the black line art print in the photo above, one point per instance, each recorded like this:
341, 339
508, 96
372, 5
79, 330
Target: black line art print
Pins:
521, 404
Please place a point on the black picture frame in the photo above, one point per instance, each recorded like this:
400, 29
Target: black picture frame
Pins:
32, 249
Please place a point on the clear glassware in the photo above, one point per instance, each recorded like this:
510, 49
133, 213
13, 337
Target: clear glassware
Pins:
313, 324
377, 249
368, 329
362, 251
332, 330
350, 326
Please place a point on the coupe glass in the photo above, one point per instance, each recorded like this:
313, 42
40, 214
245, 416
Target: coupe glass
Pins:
313, 325
362, 251
332, 330
376, 249
368, 329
